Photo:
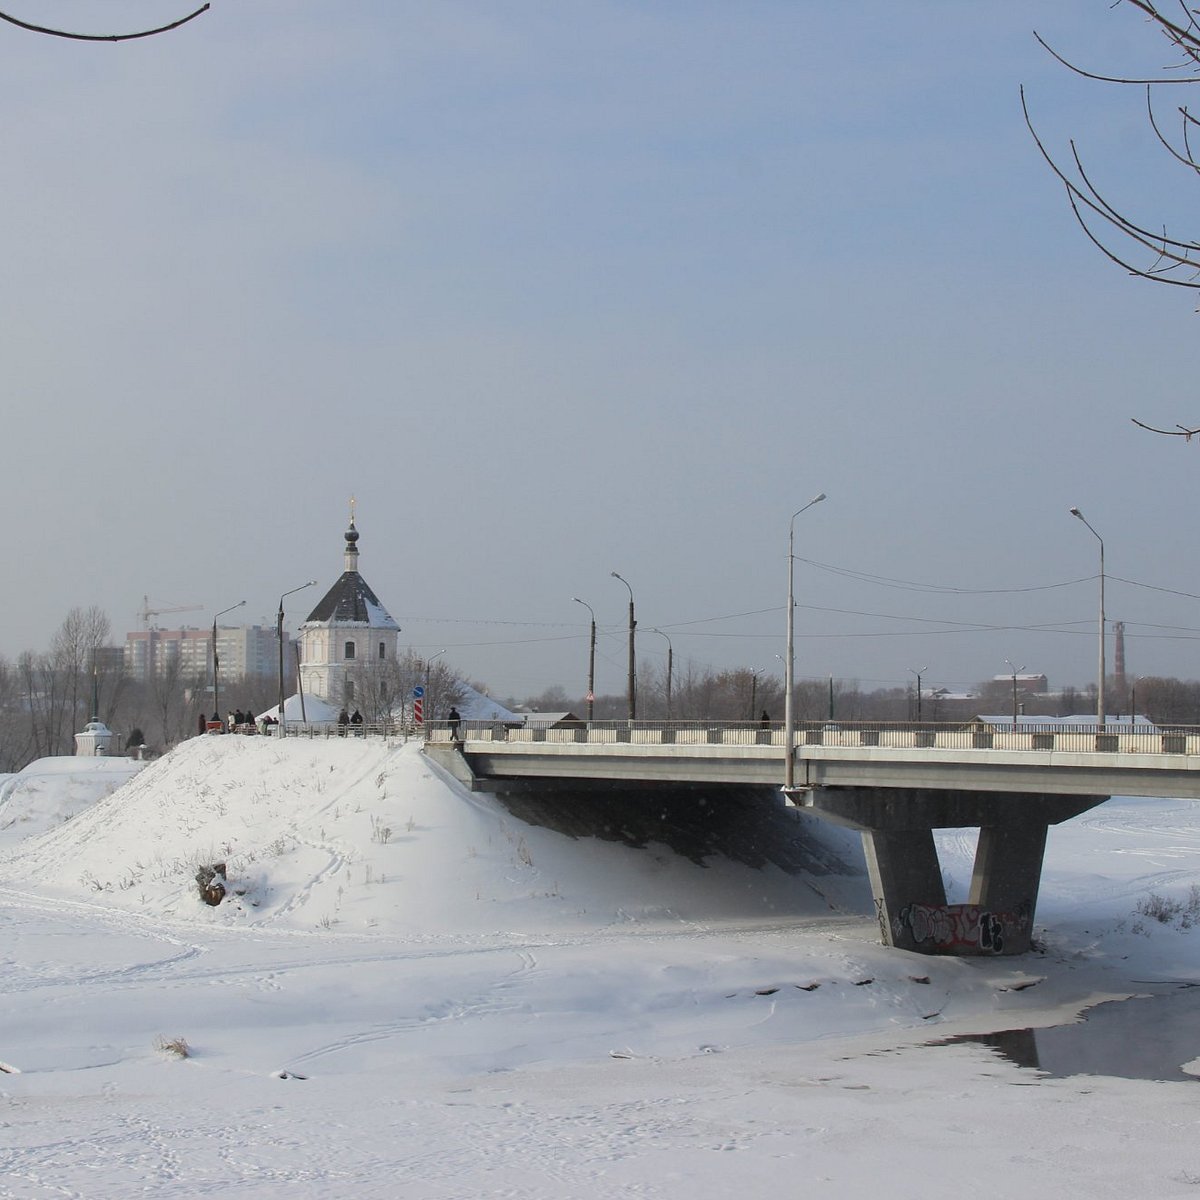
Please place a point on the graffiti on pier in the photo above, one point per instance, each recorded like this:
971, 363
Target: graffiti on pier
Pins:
961, 926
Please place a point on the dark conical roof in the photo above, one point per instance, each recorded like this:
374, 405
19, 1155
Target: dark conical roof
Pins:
351, 602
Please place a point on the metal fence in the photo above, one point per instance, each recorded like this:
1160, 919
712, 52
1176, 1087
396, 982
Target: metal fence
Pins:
1075, 738
331, 729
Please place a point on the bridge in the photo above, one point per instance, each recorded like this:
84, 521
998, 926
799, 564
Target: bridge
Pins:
895, 784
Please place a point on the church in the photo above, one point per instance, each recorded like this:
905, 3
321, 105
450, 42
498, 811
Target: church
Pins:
347, 637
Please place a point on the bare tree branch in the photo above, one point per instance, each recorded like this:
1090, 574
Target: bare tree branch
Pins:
1178, 431
105, 37
1105, 225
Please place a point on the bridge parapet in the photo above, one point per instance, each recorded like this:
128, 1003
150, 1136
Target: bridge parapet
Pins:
1081, 739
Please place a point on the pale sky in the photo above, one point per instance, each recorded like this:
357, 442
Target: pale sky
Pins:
558, 289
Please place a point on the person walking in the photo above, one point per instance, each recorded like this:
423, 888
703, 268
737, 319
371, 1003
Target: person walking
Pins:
453, 719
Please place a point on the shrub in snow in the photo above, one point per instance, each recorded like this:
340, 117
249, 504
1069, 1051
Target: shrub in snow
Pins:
176, 1047
211, 881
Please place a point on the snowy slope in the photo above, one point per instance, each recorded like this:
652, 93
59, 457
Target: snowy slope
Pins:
50, 791
365, 834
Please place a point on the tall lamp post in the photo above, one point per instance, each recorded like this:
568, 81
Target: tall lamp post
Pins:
754, 674
591, 692
670, 664
1100, 703
428, 665
789, 662
216, 659
279, 635
632, 684
1014, 671
918, 674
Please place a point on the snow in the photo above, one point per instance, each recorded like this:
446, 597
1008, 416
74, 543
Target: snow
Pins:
475, 706
312, 710
411, 991
50, 791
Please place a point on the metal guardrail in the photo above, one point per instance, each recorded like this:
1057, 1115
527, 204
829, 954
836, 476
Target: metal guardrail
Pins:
331, 729
1085, 738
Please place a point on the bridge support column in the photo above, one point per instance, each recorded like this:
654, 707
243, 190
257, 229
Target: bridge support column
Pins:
1008, 866
897, 827
902, 864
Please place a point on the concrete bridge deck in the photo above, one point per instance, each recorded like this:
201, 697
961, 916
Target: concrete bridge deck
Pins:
1076, 761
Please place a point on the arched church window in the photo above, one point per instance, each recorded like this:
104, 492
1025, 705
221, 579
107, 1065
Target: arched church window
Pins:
383, 650
349, 649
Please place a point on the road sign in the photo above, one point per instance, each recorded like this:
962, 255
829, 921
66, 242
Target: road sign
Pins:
418, 712
418, 692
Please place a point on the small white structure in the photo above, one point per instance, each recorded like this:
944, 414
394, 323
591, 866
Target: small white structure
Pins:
95, 741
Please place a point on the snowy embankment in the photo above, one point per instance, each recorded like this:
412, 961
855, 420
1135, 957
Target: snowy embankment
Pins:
50, 791
365, 835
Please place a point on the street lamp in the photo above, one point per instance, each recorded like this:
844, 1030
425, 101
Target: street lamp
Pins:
1015, 672
216, 659
591, 692
754, 674
1133, 702
428, 664
1100, 705
632, 684
918, 673
789, 663
670, 661
279, 635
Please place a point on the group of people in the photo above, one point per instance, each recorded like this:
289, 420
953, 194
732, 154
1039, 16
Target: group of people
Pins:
345, 719
244, 722
237, 721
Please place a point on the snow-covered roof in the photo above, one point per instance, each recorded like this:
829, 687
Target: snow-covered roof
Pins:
1126, 721
549, 719
316, 711
476, 706
351, 602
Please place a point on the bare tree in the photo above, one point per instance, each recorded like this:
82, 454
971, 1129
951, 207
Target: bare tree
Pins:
170, 690
1115, 233
1141, 247
42, 695
74, 652
383, 689
16, 733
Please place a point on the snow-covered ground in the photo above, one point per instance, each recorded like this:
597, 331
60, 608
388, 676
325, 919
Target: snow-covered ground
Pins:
411, 991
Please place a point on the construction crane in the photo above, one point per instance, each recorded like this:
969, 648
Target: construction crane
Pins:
147, 612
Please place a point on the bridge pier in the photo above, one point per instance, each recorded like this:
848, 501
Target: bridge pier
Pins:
897, 827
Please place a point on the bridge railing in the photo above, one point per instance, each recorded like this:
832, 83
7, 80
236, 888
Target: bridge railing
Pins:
331, 729
1025, 736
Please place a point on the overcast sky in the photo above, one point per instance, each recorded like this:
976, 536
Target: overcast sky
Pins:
557, 289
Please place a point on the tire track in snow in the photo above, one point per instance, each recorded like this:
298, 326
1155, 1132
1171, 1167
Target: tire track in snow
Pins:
337, 856
489, 1001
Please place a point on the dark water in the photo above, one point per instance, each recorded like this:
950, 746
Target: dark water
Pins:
1148, 1037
